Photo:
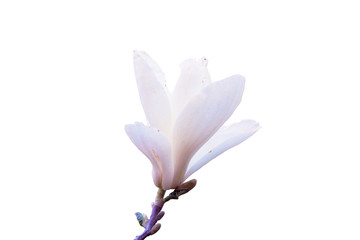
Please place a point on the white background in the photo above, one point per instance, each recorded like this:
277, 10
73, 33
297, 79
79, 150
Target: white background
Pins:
67, 88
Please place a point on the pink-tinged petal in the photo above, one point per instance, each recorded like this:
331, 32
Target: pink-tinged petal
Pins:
205, 113
156, 147
193, 77
153, 93
224, 139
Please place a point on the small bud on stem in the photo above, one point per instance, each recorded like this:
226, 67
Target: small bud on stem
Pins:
142, 218
160, 215
155, 229
181, 190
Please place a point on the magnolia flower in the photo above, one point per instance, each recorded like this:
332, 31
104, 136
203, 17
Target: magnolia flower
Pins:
185, 127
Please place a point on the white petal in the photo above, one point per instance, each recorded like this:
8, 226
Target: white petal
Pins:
156, 146
205, 113
153, 93
223, 140
193, 77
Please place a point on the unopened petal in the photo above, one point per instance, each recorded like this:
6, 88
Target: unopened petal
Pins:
193, 77
152, 90
155, 145
205, 113
223, 140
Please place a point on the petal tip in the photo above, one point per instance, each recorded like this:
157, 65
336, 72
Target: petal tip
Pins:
129, 127
139, 54
251, 124
204, 61
135, 52
239, 77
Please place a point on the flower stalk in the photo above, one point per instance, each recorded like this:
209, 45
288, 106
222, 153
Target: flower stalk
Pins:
151, 226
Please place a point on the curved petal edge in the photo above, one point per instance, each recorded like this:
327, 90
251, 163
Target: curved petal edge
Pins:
205, 113
224, 139
156, 147
153, 91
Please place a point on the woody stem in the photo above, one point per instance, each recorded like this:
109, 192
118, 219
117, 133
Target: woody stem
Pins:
158, 205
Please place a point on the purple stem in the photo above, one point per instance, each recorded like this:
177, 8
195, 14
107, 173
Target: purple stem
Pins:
158, 205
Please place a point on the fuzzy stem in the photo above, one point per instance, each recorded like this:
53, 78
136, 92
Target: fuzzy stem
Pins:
158, 205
